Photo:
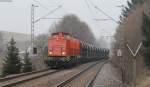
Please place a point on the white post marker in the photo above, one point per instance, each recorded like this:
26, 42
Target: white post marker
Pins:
119, 53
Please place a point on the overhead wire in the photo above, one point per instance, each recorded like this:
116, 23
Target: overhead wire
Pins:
88, 6
106, 14
92, 14
43, 6
91, 2
50, 12
104, 19
64, 11
57, 3
103, 12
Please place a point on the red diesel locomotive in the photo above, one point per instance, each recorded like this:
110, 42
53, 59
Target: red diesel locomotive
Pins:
65, 50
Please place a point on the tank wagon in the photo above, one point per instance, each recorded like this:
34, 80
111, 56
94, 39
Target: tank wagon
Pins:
64, 50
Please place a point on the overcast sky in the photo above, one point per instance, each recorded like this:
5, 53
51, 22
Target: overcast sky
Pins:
15, 16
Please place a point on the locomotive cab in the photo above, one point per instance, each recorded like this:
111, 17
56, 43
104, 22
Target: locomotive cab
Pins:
62, 48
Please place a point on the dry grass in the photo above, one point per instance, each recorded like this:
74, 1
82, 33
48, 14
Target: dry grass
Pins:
143, 79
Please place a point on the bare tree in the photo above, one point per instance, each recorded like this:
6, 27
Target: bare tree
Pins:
41, 43
77, 28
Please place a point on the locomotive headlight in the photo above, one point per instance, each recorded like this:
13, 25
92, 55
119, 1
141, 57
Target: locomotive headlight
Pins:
63, 53
50, 53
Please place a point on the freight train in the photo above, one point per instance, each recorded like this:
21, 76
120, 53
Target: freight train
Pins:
64, 50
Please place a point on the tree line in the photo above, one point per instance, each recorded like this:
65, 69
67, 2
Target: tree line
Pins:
145, 25
134, 28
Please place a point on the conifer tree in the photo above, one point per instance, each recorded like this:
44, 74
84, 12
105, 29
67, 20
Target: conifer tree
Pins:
27, 65
130, 6
12, 64
146, 41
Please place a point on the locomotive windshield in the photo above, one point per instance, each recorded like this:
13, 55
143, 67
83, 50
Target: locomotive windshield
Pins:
61, 34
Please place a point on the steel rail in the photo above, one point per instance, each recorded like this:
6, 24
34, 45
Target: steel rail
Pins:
63, 83
29, 78
23, 74
90, 82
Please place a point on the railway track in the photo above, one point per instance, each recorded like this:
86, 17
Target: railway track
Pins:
53, 79
48, 78
90, 82
19, 75
17, 79
77, 75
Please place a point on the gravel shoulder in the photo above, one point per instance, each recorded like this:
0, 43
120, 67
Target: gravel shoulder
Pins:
108, 77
